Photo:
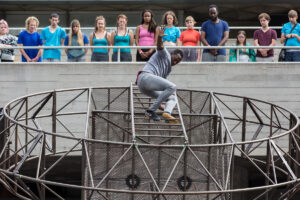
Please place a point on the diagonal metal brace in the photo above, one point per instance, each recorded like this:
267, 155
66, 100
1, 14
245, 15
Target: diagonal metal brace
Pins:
31, 148
283, 160
42, 105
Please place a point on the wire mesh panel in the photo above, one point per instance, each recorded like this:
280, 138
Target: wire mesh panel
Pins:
159, 168
114, 99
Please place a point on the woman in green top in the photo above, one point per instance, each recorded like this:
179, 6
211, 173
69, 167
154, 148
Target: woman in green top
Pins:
122, 37
100, 37
245, 55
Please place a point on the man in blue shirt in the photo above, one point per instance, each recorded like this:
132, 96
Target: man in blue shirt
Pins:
214, 32
291, 38
53, 35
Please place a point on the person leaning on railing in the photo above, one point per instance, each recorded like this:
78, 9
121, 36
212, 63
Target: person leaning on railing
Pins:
100, 37
291, 35
122, 37
30, 37
76, 38
243, 55
7, 40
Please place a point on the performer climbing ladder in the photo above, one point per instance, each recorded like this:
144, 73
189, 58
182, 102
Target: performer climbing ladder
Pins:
152, 80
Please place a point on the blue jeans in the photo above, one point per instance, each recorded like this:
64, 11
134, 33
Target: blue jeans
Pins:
51, 60
292, 56
77, 59
158, 87
208, 57
124, 57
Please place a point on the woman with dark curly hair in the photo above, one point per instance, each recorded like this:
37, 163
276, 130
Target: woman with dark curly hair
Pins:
172, 33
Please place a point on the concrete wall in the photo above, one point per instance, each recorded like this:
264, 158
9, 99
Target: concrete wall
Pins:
275, 82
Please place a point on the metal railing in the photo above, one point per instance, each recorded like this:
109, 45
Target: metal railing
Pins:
224, 127
134, 27
149, 47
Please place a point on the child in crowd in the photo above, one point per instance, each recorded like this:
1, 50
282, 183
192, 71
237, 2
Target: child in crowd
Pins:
290, 34
30, 37
190, 37
122, 37
53, 35
265, 37
172, 33
100, 38
76, 38
245, 55
6, 40
146, 35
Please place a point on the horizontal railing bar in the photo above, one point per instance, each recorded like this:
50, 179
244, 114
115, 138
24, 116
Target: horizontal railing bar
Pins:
148, 47
134, 27
161, 136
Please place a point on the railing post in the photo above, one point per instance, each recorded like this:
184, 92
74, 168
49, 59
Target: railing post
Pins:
54, 121
3, 137
119, 54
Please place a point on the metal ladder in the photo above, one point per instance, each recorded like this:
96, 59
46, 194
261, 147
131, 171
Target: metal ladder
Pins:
146, 129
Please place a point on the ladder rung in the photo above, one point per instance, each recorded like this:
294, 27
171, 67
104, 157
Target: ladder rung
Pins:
149, 129
162, 136
159, 113
142, 102
140, 118
139, 107
158, 124
143, 97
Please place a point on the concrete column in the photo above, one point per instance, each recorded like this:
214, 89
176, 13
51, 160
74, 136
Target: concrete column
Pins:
2, 15
180, 17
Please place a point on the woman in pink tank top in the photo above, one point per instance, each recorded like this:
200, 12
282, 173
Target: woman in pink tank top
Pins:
146, 35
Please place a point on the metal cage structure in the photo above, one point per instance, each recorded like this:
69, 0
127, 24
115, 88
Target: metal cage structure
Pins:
127, 156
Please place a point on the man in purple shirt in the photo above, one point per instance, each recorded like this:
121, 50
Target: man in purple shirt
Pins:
265, 37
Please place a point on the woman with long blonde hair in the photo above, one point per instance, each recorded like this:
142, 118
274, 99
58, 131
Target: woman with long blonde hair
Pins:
100, 37
76, 38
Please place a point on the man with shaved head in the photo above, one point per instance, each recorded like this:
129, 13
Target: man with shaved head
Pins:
214, 32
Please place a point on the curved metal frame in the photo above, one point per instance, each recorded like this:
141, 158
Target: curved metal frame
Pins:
230, 112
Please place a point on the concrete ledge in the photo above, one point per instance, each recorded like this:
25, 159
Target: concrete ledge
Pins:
274, 82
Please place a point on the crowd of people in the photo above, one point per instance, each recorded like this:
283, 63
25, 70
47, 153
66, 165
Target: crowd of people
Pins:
213, 32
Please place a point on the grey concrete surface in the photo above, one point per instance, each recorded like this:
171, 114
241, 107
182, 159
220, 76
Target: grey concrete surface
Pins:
274, 82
